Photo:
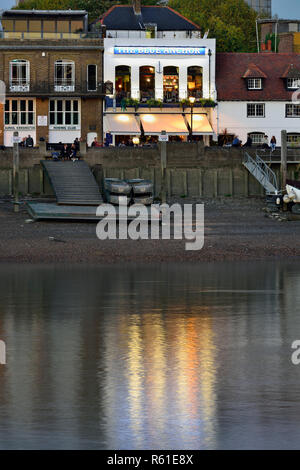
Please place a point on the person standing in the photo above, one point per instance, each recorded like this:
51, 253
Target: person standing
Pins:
29, 141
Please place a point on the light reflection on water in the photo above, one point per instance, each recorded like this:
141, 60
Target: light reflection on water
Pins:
161, 357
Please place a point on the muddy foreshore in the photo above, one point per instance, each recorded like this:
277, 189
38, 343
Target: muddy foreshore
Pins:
236, 229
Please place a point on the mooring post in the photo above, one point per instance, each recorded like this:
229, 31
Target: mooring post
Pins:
283, 166
16, 162
163, 165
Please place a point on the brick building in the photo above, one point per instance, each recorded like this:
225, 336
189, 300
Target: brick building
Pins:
52, 68
287, 33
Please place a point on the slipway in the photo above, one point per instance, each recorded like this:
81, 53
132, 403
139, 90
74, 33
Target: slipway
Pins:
52, 211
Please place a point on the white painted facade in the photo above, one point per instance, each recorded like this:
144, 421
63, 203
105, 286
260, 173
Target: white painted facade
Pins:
232, 116
111, 61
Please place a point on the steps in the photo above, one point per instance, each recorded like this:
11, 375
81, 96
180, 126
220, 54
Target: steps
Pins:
73, 183
261, 171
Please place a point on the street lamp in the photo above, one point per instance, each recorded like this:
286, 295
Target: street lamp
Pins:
192, 101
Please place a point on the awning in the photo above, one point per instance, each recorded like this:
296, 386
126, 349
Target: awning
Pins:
201, 125
173, 124
121, 124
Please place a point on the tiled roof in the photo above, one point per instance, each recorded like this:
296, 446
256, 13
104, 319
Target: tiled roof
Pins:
291, 72
121, 17
254, 72
231, 69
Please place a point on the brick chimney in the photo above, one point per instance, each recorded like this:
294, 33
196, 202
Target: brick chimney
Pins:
137, 6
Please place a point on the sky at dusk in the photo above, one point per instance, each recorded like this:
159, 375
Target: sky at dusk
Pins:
284, 9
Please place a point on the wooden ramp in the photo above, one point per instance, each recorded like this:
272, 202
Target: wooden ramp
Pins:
73, 183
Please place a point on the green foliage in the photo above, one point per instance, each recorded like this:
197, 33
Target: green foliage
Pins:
274, 41
231, 22
130, 103
95, 8
153, 103
204, 102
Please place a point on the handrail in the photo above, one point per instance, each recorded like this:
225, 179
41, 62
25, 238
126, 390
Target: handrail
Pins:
266, 174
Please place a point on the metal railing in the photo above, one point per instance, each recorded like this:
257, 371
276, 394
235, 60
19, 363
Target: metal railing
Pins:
275, 156
11, 35
57, 88
261, 171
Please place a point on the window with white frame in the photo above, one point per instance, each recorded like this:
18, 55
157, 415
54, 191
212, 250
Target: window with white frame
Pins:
64, 113
292, 110
293, 83
254, 84
19, 75
293, 139
92, 77
19, 112
257, 137
64, 76
255, 110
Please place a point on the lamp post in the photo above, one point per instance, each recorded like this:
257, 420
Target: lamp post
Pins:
192, 101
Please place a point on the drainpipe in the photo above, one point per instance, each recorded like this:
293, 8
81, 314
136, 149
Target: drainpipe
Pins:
209, 57
276, 35
104, 89
1, 27
257, 37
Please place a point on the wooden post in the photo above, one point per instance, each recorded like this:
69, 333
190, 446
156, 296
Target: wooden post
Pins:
283, 167
16, 170
163, 166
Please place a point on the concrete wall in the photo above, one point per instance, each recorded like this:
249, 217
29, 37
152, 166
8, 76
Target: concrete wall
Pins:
193, 170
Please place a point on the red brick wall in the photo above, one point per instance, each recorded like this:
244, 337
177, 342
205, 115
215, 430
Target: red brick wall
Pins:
286, 43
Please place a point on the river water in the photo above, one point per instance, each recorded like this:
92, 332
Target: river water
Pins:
155, 357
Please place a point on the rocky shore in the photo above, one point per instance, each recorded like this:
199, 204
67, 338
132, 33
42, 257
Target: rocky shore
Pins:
235, 229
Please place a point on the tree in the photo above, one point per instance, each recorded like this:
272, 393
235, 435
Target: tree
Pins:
231, 22
95, 8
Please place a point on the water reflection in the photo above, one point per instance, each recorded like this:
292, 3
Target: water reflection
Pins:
156, 357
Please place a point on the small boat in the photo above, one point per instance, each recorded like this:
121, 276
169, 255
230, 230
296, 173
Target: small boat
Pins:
140, 186
116, 186
293, 191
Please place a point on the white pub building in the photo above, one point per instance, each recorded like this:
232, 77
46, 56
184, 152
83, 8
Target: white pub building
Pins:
163, 75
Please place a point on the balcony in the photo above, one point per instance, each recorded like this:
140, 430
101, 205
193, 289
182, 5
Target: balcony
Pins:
47, 89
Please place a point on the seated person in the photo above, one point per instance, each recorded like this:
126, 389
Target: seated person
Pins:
65, 153
95, 143
73, 153
236, 142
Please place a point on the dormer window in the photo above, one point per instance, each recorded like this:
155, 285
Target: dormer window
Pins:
254, 77
254, 83
293, 83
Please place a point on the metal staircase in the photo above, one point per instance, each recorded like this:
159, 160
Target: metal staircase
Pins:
262, 172
73, 183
